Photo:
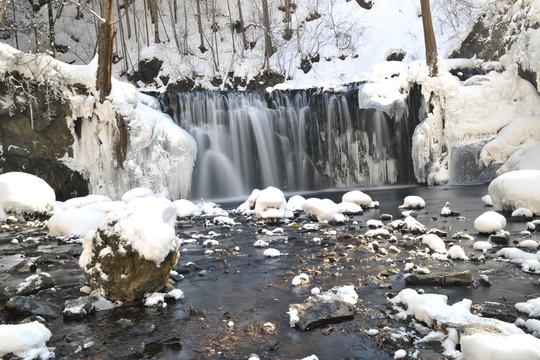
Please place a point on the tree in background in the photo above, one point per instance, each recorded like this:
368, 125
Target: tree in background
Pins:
105, 50
429, 38
268, 50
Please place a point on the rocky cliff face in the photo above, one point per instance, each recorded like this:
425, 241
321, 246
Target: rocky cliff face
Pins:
32, 140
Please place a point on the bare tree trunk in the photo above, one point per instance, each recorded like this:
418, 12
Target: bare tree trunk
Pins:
244, 40
33, 25
122, 35
51, 28
126, 9
199, 23
267, 40
175, 12
152, 4
105, 50
146, 24
429, 38
174, 27
4, 6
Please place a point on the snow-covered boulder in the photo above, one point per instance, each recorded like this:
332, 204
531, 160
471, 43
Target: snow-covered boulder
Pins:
490, 222
296, 203
360, 198
324, 210
75, 221
516, 189
413, 202
434, 242
133, 250
22, 193
349, 208
248, 206
186, 208
270, 205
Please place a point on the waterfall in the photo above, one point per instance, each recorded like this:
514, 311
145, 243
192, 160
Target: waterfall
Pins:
294, 140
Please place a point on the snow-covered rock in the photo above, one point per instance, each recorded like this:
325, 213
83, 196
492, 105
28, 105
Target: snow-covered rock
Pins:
75, 221
186, 208
270, 205
249, 205
490, 222
516, 189
413, 202
133, 250
358, 197
22, 193
320, 209
486, 199
349, 208
434, 242
296, 203
26, 341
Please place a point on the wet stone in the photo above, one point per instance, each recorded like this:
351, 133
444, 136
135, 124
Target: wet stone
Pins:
25, 266
464, 278
501, 238
31, 285
79, 308
26, 305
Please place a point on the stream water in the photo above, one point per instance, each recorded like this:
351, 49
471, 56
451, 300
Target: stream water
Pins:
237, 283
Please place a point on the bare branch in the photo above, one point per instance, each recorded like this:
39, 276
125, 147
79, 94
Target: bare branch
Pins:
102, 20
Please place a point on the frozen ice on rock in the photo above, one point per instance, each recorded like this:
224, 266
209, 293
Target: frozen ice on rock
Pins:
486, 199
490, 222
374, 224
75, 221
413, 202
296, 203
211, 209
528, 261
139, 192
360, 198
186, 208
260, 244
22, 193
271, 252
516, 189
26, 341
270, 205
300, 280
248, 206
223, 220
522, 213
457, 252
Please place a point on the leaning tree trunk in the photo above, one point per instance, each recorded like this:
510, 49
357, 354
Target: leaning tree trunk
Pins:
199, 24
267, 40
105, 51
244, 40
429, 38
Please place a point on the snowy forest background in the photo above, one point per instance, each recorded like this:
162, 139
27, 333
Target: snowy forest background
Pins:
210, 44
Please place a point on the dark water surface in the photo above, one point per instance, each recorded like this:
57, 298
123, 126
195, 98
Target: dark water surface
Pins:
237, 283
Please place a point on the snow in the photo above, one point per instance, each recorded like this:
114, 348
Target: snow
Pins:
434, 242
516, 189
320, 209
27, 341
457, 252
349, 208
137, 193
75, 221
296, 203
270, 204
486, 199
300, 280
146, 224
496, 347
490, 222
358, 197
482, 245
186, 208
528, 261
522, 213
271, 252
413, 202
531, 307
525, 158
25, 193
400, 354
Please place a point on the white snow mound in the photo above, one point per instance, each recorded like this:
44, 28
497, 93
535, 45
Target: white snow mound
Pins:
489, 222
270, 204
24, 193
516, 189
75, 221
27, 341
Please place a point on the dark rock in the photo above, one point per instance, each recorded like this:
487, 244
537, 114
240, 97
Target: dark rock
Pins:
501, 238
319, 310
25, 266
396, 338
31, 285
79, 308
26, 305
387, 217
365, 4
438, 232
464, 278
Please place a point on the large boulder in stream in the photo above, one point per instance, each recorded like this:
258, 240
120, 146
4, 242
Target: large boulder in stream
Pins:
333, 305
133, 251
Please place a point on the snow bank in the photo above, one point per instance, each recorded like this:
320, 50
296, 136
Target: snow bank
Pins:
27, 341
75, 221
186, 208
516, 189
490, 222
146, 224
521, 133
24, 193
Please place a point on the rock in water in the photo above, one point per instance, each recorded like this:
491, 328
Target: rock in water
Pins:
133, 251
27, 305
333, 305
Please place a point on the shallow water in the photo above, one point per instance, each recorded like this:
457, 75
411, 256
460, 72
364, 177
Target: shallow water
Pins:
242, 286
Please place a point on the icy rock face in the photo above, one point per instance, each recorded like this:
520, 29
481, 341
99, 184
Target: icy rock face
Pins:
23, 193
334, 304
133, 250
270, 205
516, 189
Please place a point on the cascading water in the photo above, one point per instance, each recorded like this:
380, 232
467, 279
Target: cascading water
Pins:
294, 140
